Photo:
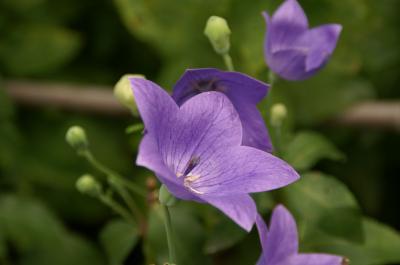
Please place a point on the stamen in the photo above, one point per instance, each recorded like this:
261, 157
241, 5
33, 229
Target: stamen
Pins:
193, 162
189, 180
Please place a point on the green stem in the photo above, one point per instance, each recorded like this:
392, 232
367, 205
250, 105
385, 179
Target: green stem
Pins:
169, 232
228, 62
278, 137
271, 78
128, 200
99, 166
117, 208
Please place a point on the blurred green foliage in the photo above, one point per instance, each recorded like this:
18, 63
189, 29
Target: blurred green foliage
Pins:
44, 220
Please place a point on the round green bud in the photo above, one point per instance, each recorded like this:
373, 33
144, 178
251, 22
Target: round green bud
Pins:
87, 184
218, 32
123, 92
278, 114
76, 137
165, 197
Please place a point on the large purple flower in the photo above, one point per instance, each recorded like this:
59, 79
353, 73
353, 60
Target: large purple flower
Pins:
280, 243
195, 150
294, 51
243, 91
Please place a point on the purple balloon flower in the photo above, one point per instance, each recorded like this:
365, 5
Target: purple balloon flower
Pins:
291, 49
195, 150
243, 91
280, 244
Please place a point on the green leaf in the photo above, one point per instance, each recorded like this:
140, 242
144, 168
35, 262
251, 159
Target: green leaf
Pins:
39, 238
189, 236
381, 245
322, 202
22, 50
118, 238
223, 235
175, 29
307, 148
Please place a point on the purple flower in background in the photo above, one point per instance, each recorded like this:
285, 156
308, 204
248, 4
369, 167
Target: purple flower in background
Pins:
291, 49
195, 150
243, 91
280, 244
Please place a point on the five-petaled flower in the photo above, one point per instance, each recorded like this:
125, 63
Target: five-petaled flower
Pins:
195, 150
280, 244
243, 91
291, 49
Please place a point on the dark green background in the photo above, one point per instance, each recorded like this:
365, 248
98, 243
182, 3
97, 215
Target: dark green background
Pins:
95, 42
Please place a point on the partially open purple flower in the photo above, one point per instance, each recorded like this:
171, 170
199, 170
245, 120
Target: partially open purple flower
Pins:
291, 49
280, 244
243, 91
195, 150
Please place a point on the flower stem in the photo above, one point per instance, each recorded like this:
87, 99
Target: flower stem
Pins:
228, 62
278, 137
117, 208
169, 232
99, 166
271, 78
129, 201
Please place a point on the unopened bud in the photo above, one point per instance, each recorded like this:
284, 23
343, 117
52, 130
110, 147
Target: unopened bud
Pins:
218, 32
87, 184
76, 137
165, 197
123, 92
278, 114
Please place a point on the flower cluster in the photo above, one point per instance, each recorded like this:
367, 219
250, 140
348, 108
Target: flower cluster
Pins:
208, 142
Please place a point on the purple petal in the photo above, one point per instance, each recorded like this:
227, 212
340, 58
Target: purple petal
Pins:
282, 239
292, 14
149, 156
287, 23
262, 233
240, 208
313, 259
155, 106
289, 64
241, 169
196, 81
206, 124
244, 92
321, 42
255, 133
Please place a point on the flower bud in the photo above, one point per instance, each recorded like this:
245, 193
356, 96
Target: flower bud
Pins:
278, 114
165, 197
76, 137
88, 185
123, 92
218, 32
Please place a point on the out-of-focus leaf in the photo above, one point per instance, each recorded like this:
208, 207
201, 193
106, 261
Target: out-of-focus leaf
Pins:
118, 239
321, 97
322, 202
381, 245
39, 237
8, 132
223, 235
307, 148
175, 29
189, 236
37, 48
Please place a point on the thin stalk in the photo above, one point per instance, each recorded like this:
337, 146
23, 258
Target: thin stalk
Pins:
228, 62
99, 166
129, 202
117, 208
169, 232
278, 137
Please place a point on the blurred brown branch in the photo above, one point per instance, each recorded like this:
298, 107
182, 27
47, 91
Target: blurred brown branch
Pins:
100, 100
90, 99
